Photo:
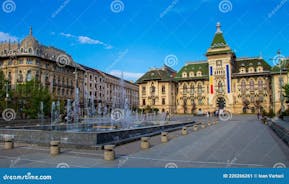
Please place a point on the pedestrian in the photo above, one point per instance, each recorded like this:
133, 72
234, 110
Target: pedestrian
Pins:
258, 115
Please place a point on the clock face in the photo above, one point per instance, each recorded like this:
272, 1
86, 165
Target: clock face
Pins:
219, 62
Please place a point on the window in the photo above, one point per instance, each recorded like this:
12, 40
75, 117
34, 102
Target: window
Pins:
252, 98
251, 85
242, 70
192, 89
251, 70
219, 63
29, 75
153, 89
185, 89
199, 88
153, 101
143, 101
20, 76
243, 86
163, 89
192, 74
259, 69
163, 101
260, 85
29, 61
199, 73
184, 74
199, 101
220, 87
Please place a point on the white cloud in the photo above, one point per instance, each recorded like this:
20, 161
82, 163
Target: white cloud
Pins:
7, 37
126, 75
86, 40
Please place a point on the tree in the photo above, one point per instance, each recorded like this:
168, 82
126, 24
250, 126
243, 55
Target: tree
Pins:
29, 95
286, 91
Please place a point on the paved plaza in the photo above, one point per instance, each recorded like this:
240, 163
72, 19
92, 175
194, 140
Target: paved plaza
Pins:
242, 141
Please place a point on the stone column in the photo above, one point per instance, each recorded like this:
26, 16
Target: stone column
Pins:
54, 148
164, 137
184, 130
145, 144
8, 142
109, 153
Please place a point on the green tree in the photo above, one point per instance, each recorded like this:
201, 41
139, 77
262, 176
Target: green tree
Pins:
29, 95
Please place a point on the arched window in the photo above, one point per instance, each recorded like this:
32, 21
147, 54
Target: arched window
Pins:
192, 89
220, 87
191, 74
199, 88
260, 85
184, 74
29, 75
243, 86
185, 88
251, 85
20, 76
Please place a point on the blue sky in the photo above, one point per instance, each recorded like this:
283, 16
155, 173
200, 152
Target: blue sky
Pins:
141, 34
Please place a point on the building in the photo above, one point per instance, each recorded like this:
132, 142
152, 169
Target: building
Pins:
157, 89
57, 70
222, 81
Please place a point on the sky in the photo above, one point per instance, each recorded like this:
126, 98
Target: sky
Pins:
133, 36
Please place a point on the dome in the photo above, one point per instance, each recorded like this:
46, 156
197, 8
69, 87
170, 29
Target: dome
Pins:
29, 41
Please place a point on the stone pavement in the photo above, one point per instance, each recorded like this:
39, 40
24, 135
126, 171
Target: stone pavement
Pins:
241, 142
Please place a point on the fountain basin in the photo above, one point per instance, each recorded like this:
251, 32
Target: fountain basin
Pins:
90, 139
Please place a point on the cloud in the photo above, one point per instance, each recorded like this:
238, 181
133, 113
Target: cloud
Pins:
7, 37
86, 40
126, 75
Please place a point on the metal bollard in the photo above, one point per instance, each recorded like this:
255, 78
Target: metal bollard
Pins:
109, 153
145, 144
54, 148
8, 142
184, 130
164, 137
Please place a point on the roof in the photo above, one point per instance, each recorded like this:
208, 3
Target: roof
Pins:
219, 45
218, 41
252, 62
161, 74
194, 67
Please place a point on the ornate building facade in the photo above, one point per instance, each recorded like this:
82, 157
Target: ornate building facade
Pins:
222, 81
28, 59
